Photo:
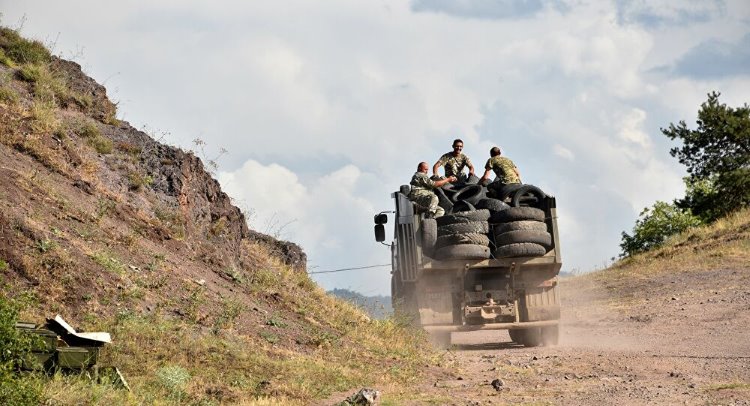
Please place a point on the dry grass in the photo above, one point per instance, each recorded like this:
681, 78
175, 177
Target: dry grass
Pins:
724, 243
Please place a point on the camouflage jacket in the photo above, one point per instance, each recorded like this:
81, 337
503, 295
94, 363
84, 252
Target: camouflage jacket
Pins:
454, 164
421, 184
504, 168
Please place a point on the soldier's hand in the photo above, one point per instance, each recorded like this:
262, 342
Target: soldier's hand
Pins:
452, 179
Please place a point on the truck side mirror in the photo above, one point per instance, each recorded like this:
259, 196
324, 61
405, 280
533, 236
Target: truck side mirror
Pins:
379, 233
381, 218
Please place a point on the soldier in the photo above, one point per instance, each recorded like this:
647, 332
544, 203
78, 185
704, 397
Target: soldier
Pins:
454, 162
505, 170
422, 190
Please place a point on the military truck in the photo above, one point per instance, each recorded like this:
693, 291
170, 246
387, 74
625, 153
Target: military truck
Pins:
447, 293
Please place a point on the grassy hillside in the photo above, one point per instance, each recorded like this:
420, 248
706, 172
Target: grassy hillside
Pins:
722, 245
119, 233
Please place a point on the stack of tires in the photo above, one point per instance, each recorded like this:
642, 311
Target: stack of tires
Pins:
500, 221
520, 232
462, 235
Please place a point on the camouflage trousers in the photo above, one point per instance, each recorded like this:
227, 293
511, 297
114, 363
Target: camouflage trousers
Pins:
427, 201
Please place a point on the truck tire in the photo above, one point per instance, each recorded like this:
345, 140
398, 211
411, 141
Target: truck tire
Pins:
464, 217
472, 180
443, 200
517, 214
505, 190
515, 336
462, 206
531, 337
458, 239
470, 193
463, 251
542, 238
527, 193
429, 236
520, 225
521, 249
481, 227
493, 205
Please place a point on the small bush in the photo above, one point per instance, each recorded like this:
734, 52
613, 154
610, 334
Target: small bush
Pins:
109, 262
5, 60
137, 181
3, 265
21, 50
8, 95
44, 117
91, 132
15, 346
174, 378
30, 73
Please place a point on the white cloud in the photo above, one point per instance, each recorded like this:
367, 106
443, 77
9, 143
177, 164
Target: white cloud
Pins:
631, 128
563, 152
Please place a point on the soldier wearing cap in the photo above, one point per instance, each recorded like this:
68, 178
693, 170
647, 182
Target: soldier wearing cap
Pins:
454, 161
505, 170
422, 190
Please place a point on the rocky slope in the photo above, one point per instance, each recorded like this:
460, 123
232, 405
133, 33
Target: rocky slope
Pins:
96, 214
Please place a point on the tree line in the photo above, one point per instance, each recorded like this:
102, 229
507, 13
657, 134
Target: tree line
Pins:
717, 156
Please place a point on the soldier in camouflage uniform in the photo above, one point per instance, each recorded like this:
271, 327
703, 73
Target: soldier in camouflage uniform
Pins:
454, 162
422, 190
505, 170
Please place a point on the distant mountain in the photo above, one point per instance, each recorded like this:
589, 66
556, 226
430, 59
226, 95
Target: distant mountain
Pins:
378, 307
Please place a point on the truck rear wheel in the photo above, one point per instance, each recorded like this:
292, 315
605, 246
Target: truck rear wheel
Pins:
531, 337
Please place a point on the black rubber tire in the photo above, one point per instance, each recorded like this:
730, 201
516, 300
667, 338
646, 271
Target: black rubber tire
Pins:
481, 227
542, 238
472, 180
518, 225
505, 190
469, 193
405, 189
443, 200
493, 205
521, 249
517, 214
463, 251
458, 239
429, 236
515, 336
526, 192
531, 337
462, 206
463, 217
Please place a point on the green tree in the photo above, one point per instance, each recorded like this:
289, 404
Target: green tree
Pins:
654, 226
717, 156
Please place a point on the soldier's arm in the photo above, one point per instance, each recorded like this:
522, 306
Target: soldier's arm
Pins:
437, 166
441, 182
486, 175
471, 167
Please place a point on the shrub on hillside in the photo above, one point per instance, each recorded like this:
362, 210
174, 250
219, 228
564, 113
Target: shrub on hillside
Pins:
15, 389
21, 50
654, 226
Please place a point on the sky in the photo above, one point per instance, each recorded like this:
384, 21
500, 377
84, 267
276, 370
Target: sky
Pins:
326, 107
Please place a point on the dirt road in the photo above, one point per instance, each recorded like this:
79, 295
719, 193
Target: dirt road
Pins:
666, 341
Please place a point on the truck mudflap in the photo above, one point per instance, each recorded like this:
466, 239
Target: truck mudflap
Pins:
491, 326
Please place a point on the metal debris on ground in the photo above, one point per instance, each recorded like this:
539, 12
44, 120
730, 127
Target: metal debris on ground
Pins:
61, 347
